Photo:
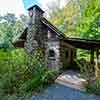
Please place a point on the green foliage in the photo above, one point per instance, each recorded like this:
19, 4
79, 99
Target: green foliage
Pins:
10, 29
78, 18
93, 88
65, 18
39, 81
87, 72
21, 75
86, 69
13, 97
31, 84
49, 76
89, 22
83, 54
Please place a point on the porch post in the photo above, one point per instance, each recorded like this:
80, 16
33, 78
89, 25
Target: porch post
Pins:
92, 57
96, 63
92, 66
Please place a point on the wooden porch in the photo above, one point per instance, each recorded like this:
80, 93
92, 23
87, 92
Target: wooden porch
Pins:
92, 46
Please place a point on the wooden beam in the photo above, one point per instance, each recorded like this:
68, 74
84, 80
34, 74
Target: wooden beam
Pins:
92, 66
96, 63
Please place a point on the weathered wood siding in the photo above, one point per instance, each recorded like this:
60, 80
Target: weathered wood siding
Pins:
53, 43
67, 54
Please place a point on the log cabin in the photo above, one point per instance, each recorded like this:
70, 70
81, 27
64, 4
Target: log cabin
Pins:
59, 51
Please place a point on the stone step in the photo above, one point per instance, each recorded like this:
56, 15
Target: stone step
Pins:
72, 81
71, 85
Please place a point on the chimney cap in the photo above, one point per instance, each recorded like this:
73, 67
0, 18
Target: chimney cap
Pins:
37, 7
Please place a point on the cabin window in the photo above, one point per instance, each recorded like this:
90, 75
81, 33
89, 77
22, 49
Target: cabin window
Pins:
51, 54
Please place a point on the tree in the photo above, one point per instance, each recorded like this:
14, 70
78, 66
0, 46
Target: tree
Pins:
23, 19
65, 19
89, 23
10, 28
79, 18
10, 18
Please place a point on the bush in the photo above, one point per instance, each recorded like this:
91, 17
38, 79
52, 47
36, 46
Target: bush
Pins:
31, 84
86, 69
49, 76
21, 75
39, 81
13, 97
93, 87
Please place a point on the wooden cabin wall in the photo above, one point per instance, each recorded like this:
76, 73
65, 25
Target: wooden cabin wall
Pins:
67, 54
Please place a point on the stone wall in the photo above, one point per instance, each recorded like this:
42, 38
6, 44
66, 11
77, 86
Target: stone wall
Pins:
53, 62
35, 32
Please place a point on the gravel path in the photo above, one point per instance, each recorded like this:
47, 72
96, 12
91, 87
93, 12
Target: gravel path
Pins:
61, 92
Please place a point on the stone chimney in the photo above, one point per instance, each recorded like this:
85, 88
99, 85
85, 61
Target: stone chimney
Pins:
36, 9
34, 24
35, 13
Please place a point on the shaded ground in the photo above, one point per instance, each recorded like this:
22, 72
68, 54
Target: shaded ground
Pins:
61, 92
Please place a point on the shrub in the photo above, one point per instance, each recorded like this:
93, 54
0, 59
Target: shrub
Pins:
21, 75
31, 84
93, 87
39, 81
13, 97
49, 76
86, 69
